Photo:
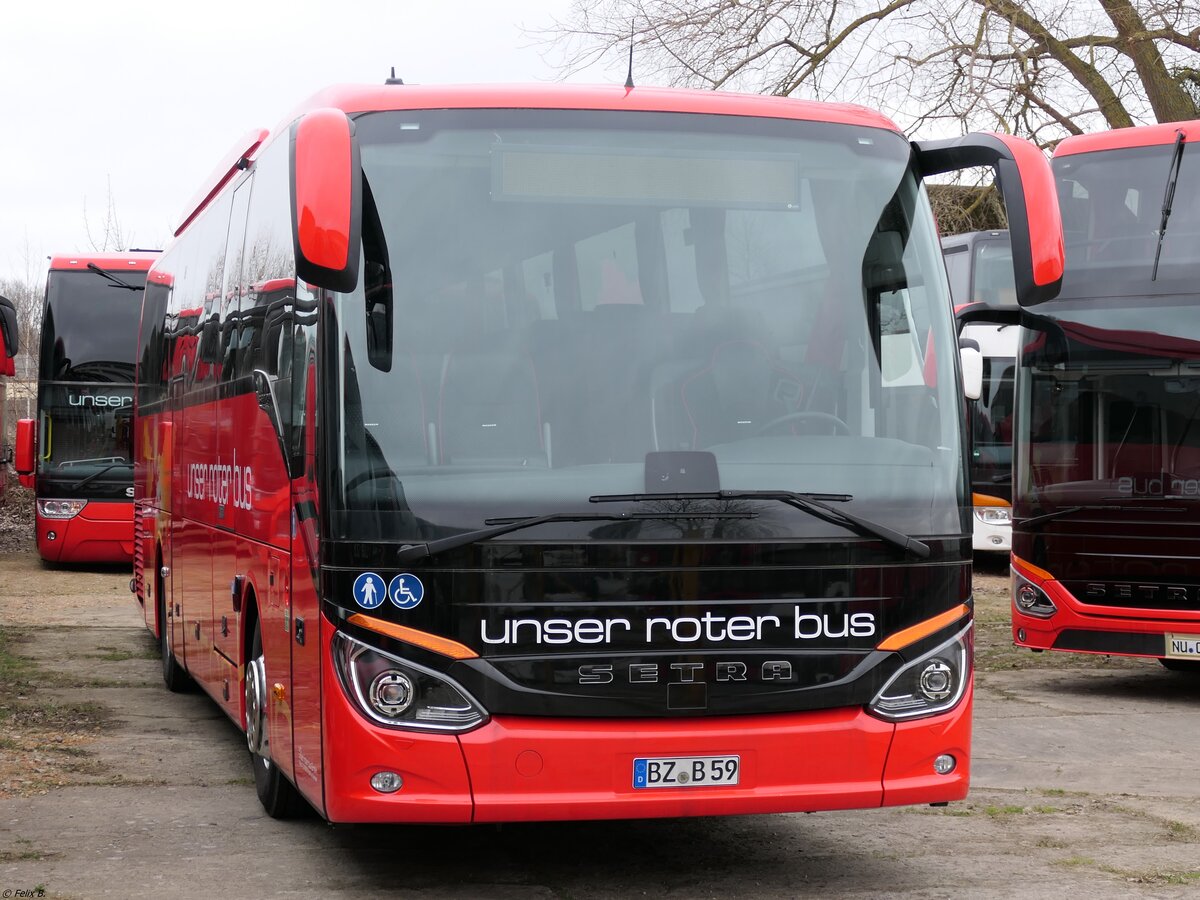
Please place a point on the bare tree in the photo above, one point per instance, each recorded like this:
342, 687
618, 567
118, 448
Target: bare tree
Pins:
110, 235
1037, 68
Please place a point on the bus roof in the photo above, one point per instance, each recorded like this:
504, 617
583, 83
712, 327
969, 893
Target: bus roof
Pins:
366, 98
354, 98
133, 260
1125, 138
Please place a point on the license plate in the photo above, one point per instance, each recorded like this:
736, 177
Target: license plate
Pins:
686, 771
1183, 646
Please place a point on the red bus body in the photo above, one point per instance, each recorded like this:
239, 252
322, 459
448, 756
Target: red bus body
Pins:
77, 454
9, 345
1107, 453
289, 449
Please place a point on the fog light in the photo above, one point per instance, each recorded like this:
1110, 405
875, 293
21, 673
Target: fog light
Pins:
937, 680
944, 764
390, 782
50, 536
1021, 634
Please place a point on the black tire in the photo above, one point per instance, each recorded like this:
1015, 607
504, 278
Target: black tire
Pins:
175, 677
278, 796
1181, 665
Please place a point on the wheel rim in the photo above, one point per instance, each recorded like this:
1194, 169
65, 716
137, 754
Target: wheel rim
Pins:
256, 722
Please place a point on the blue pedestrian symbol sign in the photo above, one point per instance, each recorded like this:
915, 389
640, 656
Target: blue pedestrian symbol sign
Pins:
369, 590
406, 591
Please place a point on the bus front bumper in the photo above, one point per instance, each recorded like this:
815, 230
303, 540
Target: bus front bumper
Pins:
515, 769
100, 533
1110, 630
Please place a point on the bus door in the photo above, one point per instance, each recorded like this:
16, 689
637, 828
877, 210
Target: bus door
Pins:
229, 565
301, 349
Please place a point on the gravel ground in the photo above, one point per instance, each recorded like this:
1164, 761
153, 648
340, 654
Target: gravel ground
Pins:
1083, 782
16, 517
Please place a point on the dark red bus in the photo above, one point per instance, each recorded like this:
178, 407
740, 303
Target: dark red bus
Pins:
77, 453
511, 453
1106, 539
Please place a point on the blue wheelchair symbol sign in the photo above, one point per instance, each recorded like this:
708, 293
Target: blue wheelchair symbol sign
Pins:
406, 591
369, 590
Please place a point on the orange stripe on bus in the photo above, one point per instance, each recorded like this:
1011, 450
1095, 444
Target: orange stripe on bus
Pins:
444, 646
988, 500
914, 633
1031, 568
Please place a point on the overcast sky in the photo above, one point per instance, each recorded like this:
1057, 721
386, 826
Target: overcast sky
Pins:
149, 96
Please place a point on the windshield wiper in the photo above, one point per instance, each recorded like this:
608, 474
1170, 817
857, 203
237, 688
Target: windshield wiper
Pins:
813, 504
104, 273
412, 552
1168, 197
1094, 507
90, 478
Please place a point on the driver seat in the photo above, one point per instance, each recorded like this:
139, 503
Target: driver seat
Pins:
737, 394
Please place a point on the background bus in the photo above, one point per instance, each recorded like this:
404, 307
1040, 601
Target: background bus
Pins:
570, 453
9, 346
1107, 493
979, 266
77, 453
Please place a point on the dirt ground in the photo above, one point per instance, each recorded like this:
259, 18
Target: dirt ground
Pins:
1084, 782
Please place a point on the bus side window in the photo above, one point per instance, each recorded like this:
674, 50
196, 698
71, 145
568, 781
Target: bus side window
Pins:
233, 300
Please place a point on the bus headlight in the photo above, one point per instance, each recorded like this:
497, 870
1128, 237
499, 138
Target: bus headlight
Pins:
994, 515
930, 684
402, 694
60, 509
1030, 598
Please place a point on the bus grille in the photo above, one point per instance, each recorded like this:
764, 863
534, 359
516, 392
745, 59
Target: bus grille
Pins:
139, 537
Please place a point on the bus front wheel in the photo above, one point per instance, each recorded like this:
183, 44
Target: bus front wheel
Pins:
1181, 665
175, 677
278, 796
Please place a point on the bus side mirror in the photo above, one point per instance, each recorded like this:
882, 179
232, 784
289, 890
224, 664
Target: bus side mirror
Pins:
26, 448
326, 189
9, 341
1030, 202
268, 402
972, 370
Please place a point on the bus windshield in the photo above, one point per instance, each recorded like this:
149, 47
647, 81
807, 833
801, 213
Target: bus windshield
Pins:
1109, 399
1112, 210
555, 305
992, 267
85, 394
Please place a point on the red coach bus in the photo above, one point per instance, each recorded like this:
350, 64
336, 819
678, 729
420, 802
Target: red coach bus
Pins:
77, 453
1106, 545
569, 453
9, 345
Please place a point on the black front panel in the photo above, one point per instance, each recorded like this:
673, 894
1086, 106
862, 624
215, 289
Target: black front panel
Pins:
662, 630
1138, 559
85, 440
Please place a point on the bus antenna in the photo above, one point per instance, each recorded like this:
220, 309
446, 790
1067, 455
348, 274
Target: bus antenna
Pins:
392, 79
629, 76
